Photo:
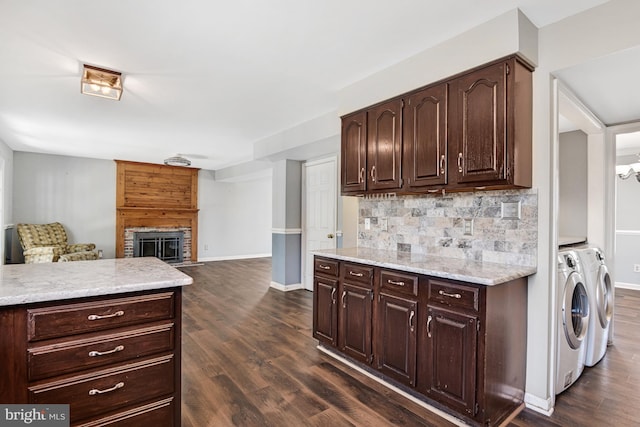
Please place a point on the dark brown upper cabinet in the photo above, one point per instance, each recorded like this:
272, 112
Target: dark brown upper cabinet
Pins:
470, 132
490, 125
384, 146
425, 138
354, 153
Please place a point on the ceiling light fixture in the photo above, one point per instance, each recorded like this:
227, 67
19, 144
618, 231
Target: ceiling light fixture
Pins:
177, 160
627, 171
101, 82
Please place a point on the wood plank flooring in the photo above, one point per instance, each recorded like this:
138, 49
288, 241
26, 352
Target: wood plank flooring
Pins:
248, 359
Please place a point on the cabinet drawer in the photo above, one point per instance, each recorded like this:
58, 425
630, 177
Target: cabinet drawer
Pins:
358, 273
406, 284
79, 318
160, 413
72, 356
326, 266
93, 394
454, 294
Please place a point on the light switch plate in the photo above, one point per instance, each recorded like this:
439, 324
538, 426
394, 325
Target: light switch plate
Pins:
383, 224
468, 227
510, 210
367, 223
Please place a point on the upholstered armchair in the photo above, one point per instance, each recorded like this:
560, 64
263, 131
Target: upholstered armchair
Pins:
48, 243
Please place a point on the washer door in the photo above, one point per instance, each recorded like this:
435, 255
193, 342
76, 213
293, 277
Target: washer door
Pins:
575, 310
604, 296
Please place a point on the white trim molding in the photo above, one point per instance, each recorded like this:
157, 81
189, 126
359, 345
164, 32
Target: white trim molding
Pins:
286, 230
286, 288
233, 257
632, 286
628, 232
537, 404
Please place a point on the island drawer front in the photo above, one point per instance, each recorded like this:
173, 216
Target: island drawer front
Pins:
326, 266
100, 392
70, 356
401, 283
160, 413
84, 317
454, 294
358, 273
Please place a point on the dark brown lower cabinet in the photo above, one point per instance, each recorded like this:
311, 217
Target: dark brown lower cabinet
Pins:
457, 345
355, 322
396, 334
450, 350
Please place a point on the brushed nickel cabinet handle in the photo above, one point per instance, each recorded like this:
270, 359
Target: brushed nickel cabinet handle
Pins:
118, 313
411, 316
373, 173
391, 282
344, 303
324, 267
460, 162
442, 160
95, 391
351, 273
429, 319
104, 353
333, 296
361, 175
446, 294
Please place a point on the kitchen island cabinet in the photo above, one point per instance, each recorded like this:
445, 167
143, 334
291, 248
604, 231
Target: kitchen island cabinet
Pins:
455, 344
102, 336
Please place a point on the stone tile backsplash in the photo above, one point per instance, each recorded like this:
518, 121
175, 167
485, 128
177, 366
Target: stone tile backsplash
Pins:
434, 225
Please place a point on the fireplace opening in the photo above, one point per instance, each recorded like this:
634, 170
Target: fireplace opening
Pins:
165, 245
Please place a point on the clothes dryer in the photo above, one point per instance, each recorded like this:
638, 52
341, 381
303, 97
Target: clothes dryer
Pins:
572, 310
600, 292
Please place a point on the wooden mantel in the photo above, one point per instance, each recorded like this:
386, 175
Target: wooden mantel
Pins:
158, 196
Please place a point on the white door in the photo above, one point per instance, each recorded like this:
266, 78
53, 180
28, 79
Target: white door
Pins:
320, 212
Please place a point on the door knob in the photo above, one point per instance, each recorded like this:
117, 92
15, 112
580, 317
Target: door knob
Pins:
330, 236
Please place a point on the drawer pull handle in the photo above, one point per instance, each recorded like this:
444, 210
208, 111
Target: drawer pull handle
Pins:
118, 313
429, 319
392, 282
411, 316
324, 267
104, 353
446, 294
344, 295
95, 391
333, 296
351, 273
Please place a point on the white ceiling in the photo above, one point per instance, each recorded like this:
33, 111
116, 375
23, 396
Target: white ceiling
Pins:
208, 78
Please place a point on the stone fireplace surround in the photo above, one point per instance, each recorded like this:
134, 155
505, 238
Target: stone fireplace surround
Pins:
130, 231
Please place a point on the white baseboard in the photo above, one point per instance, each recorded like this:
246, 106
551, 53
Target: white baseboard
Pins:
538, 404
232, 257
415, 400
631, 286
287, 288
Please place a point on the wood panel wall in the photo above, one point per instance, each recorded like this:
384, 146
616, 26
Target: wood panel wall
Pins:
151, 195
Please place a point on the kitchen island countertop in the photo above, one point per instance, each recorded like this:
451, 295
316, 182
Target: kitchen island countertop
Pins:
481, 273
30, 283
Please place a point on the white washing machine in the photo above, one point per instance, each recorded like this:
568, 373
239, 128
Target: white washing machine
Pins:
573, 320
600, 292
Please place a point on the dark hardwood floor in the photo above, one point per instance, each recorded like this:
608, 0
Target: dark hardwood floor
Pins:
248, 359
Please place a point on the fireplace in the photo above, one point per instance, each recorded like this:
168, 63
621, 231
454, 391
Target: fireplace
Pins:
165, 245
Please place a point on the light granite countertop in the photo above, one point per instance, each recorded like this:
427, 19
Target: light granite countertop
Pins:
481, 273
29, 283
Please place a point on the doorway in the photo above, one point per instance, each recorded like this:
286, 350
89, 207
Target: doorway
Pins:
320, 212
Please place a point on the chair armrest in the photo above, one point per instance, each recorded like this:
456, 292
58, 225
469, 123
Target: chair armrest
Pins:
80, 247
79, 256
44, 250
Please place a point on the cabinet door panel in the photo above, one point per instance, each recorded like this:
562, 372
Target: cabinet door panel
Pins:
384, 145
396, 354
325, 312
425, 137
480, 125
451, 359
355, 322
354, 152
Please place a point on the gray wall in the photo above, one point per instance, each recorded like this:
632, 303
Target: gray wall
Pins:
572, 176
78, 192
627, 226
234, 218
6, 191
